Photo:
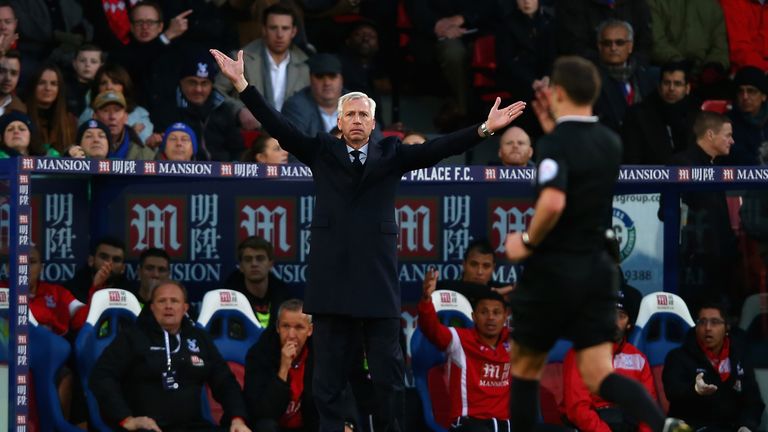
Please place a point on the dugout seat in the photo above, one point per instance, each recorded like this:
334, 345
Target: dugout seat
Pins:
47, 354
716, 105
110, 310
662, 323
427, 362
228, 317
551, 384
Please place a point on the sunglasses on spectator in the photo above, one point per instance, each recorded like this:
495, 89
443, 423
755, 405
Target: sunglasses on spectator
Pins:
607, 43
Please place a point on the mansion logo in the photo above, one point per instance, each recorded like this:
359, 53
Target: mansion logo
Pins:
506, 216
418, 227
157, 222
272, 219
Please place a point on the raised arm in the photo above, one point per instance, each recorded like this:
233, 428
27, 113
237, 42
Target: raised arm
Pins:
433, 151
295, 141
435, 332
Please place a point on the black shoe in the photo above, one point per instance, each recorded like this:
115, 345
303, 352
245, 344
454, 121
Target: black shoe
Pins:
676, 425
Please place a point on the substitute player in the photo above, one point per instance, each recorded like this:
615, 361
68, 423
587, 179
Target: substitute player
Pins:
569, 286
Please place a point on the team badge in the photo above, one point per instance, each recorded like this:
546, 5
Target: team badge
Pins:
547, 170
192, 345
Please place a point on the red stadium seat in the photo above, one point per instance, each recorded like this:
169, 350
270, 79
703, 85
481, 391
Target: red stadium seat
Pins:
389, 133
249, 136
716, 105
484, 65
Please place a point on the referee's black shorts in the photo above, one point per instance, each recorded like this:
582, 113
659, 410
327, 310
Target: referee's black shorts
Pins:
565, 295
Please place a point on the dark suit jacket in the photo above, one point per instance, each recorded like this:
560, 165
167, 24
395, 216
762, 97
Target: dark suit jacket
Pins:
353, 248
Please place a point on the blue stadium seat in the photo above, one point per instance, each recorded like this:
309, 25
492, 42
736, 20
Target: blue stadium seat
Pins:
109, 310
661, 326
47, 354
228, 317
453, 309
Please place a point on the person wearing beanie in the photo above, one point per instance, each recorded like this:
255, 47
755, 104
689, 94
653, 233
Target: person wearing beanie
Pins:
179, 143
18, 137
589, 412
93, 141
749, 116
207, 112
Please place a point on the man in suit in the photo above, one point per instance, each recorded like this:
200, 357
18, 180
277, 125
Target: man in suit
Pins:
353, 291
273, 64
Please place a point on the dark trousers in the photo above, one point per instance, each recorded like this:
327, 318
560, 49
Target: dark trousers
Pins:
336, 341
468, 424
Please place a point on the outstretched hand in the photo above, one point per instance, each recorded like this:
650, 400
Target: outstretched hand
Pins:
232, 69
430, 283
499, 118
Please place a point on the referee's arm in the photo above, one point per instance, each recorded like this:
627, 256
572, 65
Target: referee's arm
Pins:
549, 208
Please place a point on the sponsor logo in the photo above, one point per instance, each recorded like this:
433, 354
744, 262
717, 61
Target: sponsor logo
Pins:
63, 164
271, 219
417, 221
157, 222
507, 216
626, 232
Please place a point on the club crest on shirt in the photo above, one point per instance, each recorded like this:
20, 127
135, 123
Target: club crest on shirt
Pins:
547, 170
192, 345
50, 302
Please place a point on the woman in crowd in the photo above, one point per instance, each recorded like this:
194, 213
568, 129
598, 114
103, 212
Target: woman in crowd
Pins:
265, 149
18, 137
93, 141
179, 143
113, 77
47, 108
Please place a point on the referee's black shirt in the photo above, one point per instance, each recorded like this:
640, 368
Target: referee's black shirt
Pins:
580, 157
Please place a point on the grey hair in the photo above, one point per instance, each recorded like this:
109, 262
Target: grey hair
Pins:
356, 95
293, 305
762, 153
611, 22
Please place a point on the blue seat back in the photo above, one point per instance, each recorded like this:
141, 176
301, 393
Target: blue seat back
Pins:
228, 317
661, 325
4, 326
110, 309
47, 353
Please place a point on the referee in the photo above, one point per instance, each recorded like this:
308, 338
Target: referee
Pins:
569, 286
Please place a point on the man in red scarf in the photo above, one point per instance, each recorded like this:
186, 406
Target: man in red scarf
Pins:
709, 381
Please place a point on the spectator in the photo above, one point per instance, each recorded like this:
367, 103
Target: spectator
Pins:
747, 25
52, 305
480, 383
93, 141
19, 137
515, 149
413, 137
707, 242
442, 36
361, 64
709, 382
689, 30
589, 412
113, 77
749, 116
141, 389
662, 124
47, 107
477, 272
209, 24
8, 26
110, 108
150, 43
525, 45
254, 278
154, 266
267, 150
210, 114
51, 31
10, 68
314, 109
87, 62
108, 253
273, 64
110, 20
278, 375
179, 143
576, 20
625, 81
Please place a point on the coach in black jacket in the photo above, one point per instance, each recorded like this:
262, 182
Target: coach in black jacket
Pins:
132, 382
353, 253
